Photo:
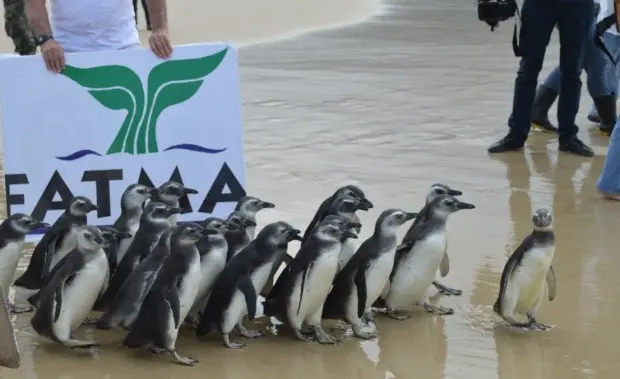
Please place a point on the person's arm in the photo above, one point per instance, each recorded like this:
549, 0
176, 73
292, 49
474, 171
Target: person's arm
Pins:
159, 40
38, 18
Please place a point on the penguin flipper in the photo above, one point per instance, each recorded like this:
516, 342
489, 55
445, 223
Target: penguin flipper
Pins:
362, 294
249, 292
444, 268
172, 297
551, 286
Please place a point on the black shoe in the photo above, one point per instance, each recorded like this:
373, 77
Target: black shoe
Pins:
575, 146
594, 118
545, 97
506, 144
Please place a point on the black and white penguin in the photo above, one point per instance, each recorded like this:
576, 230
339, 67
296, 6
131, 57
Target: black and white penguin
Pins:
364, 277
170, 193
249, 206
237, 239
308, 279
72, 289
13, 232
133, 201
154, 220
235, 293
172, 295
418, 258
528, 274
324, 208
56, 243
213, 251
125, 306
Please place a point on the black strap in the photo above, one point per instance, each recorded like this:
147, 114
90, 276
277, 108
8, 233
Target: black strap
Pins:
601, 27
515, 34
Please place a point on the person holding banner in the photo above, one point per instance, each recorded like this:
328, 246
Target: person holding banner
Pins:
93, 25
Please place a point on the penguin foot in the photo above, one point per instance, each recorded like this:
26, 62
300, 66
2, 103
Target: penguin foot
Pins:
358, 331
322, 337
77, 344
397, 315
368, 317
187, 361
299, 333
539, 326
232, 345
157, 350
437, 309
447, 291
19, 309
90, 321
248, 333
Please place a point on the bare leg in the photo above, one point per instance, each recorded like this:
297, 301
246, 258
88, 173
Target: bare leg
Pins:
445, 290
187, 361
436, 309
232, 345
247, 333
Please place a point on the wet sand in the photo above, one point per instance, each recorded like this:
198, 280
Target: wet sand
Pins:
395, 104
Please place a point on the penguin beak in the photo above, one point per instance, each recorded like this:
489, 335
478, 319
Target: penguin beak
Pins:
175, 210
152, 191
265, 204
249, 223
92, 207
293, 235
207, 232
410, 216
100, 241
349, 234
231, 226
41, 224
463, 205
365, 204
122, 235
189, 191
453, 192
353, 225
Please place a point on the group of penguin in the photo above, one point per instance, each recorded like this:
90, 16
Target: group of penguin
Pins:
149, 275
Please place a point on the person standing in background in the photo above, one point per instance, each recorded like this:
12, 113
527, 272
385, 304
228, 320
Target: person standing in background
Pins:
17, 28
538, 19
146, 13
93, 25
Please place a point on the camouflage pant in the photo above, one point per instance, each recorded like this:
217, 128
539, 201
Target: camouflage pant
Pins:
17, 27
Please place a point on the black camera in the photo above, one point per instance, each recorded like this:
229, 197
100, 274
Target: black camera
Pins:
492, 12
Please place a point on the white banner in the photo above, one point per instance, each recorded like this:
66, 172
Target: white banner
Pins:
115, 118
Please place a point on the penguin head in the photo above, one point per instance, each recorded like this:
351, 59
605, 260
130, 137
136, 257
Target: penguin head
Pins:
347, 205
217, 224
81, 206
238, 221
111, 235
390, 219
157, 213
90, 238
190, 233
355, 192
171, 191
438, 189
250, 205
136, 195
278, 233
542, 219
22, 224
349, 228
333, 232
444, 205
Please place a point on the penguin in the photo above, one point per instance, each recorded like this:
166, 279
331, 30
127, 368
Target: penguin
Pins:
153, 222
56, 243
237, 238
364, 277
419, 257
234, 294
72, 289
13, 232
125, 306
172, 295
170, 194
249, 206
349, 190
527, 274
133, 201
308, 280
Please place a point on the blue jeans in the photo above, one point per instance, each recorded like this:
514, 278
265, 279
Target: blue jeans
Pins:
594, 61
539, 17
609, 181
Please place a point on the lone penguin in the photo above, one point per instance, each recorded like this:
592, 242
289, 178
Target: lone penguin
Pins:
133, 201
419, 257
238, 238
249, 206
69, 295
56, 243
170, 193
13, 232
234, 294
364, 277
307, 281
154, 220
213, 251
323, 211
528, 274
171, 297
125, 306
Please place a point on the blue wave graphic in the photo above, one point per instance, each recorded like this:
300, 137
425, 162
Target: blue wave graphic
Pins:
183, 146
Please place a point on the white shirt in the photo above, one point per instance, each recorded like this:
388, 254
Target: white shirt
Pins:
607, 8
94, 25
